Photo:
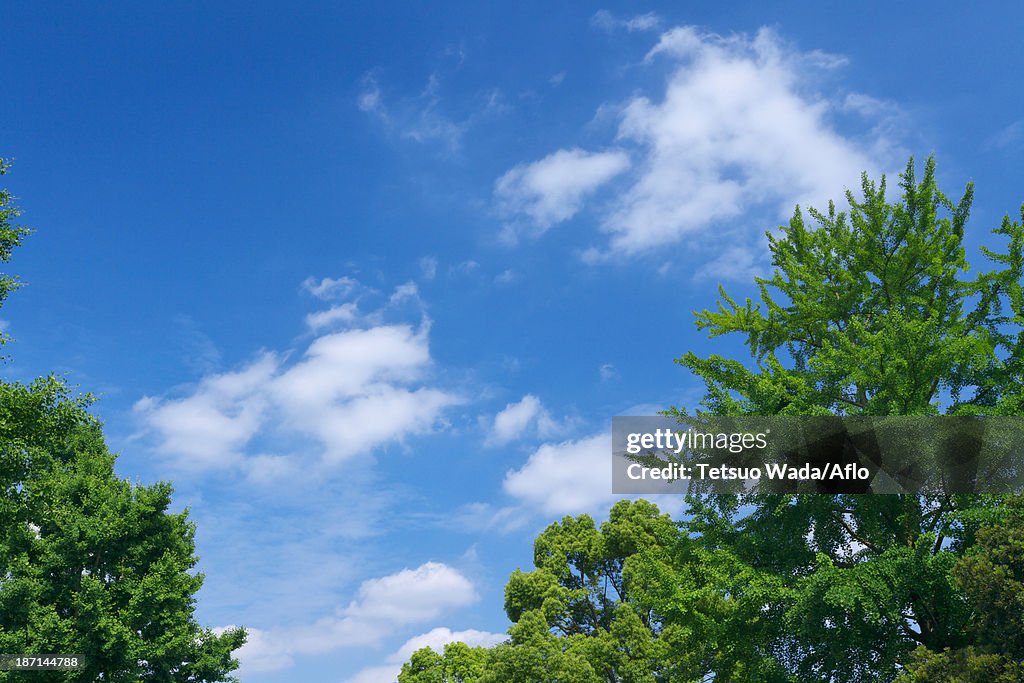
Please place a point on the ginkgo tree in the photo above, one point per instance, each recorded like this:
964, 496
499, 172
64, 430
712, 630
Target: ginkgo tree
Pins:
872, 310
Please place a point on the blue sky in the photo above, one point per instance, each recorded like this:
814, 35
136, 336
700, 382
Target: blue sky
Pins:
365, 284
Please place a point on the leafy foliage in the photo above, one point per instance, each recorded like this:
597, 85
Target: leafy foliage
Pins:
11, 236
873, 315
90, 563
991, 577
868, 313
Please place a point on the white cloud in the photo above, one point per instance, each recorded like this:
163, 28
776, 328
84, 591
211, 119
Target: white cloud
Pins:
553, 189
352, 391
212, 426
435, 639
572, 477
528, 415
565, 478
406, 597
412, 595
467, 267
370, 99
260, 652
476, 517
733, 131
643, 22
738, 128
386, 673
607, 372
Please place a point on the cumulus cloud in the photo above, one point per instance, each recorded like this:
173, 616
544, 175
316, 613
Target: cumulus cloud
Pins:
382, 604
739, 127
412, 595
351, 390
552, 190
565, 478
435, 639
516, 420
212, 425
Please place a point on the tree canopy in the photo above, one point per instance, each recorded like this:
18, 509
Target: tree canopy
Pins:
870, 312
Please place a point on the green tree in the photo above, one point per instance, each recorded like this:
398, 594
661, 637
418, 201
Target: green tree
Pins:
91, 564
874, 315
575, 616
868, 312
991, 577
583, 589
459, 663
11, 236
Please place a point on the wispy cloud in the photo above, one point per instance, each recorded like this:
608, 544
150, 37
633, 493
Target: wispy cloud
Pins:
1010, 137
428, 266
606, 21
427, 117
736, 263
607, 372
331, 288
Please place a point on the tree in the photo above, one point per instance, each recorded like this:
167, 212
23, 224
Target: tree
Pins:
868, 313
991, 577
632, 601
872, 312
11, 236
460, 663
91, 564
575, 616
